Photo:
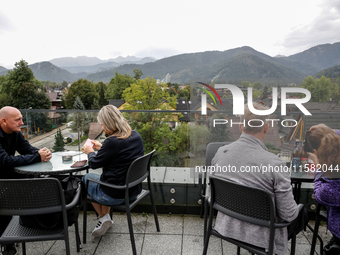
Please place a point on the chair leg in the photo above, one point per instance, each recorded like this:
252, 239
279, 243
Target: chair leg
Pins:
205, 219
84, 220
23, 245
202, 207
208, 233
293, 243
238, 250
76, 229
132, 237
154, 211
315, 231
67, 244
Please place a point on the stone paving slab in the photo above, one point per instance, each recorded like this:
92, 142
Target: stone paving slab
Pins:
179, 235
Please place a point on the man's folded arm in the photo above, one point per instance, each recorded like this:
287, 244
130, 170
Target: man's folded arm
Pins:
8, 161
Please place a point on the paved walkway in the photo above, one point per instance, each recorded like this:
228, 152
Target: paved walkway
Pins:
180, 235
42, 136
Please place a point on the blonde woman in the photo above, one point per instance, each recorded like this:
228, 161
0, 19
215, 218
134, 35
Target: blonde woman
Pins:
120, 148
326, 157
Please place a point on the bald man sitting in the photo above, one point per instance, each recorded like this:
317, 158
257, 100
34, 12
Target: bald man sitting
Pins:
11, 140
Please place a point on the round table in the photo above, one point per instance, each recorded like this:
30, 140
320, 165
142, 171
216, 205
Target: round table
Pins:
55, 165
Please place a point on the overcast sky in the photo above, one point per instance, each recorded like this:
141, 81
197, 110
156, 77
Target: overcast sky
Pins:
42, 30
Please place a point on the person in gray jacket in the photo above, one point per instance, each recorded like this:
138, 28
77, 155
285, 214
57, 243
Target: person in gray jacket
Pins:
254, 167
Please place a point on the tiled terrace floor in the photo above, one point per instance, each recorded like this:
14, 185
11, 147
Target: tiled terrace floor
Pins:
180, 235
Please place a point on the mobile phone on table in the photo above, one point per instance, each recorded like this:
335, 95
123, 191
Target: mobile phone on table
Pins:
307, 147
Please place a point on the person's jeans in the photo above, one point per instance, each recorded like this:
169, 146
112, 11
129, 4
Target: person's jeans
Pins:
98, 195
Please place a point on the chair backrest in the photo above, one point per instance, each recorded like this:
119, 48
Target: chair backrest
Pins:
138, 170
245, 203
211, 151
31, 196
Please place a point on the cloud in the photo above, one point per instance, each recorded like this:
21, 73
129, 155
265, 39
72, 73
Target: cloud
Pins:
323, 29
5, 23
157, 52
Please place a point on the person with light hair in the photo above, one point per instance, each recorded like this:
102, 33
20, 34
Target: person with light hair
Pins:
249, 152
121, 147
326, 156
12, 141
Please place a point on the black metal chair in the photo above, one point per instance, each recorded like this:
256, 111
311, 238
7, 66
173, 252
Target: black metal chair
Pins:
247, 204
202, 179
138, 171
34, 197
318, 215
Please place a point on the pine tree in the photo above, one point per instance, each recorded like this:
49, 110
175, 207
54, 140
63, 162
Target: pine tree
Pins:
59, 142
81, 117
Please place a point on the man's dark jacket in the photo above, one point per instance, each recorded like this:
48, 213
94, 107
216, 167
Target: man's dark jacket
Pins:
9, 144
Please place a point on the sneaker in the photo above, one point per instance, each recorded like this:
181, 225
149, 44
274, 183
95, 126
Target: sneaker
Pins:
328, 245
332, 248
102, 227
9, 249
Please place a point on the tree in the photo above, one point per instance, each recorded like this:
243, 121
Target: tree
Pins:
257, 94
246, 84
184, 93
265, 92
85, 90
80, 119
59, 142
24, 89
154, 128
320, 89
137, 73
336, 90
257, 85
117, 85
101, 88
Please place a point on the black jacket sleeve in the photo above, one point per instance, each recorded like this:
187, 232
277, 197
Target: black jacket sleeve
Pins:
29, 154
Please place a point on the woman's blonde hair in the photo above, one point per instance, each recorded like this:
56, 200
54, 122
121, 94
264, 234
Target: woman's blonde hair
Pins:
113, 121
316, 136
329, 153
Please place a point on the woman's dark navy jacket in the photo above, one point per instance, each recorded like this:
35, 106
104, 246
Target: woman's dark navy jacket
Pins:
115, 157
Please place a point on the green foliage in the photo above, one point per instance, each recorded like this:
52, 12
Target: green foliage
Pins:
320, 89
199, 138
184, 93
85, 90
137, 73
101, 88
148, 95
246, 84
257, 85
23, 89
336, 90
332, 72
48, 126
80, 119
95, 104
59, 141
117, 85
172, 92
265, 92
154, 128
257, 94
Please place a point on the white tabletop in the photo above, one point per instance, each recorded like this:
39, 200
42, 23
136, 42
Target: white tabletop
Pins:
56, 165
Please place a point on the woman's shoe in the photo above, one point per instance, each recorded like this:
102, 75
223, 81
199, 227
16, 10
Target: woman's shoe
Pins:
332, 248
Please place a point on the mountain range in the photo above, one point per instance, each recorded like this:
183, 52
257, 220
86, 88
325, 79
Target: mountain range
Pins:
230, 66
